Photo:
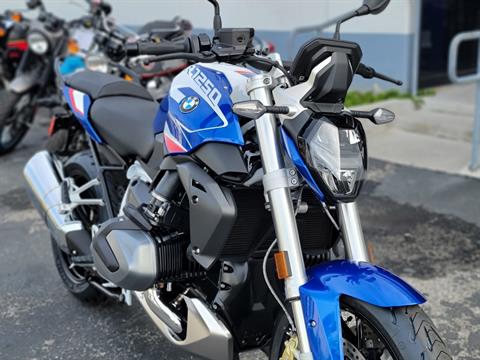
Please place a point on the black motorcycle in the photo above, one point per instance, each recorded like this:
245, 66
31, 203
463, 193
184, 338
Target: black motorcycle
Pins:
33, 84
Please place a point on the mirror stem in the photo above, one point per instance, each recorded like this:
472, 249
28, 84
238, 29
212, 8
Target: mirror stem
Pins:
217, 19
336, 35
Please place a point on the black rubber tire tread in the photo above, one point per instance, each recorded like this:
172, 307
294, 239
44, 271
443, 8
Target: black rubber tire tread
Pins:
8, 100
408, 331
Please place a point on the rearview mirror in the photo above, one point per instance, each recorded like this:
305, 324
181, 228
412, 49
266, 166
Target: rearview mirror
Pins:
33, 4
375, 6
369, 7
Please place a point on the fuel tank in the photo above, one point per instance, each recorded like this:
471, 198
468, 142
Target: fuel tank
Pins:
198, 108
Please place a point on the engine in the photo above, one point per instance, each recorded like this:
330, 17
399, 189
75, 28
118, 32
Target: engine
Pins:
187, 222
148, 243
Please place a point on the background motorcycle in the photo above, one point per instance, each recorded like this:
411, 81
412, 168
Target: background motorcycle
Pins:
33, 84
109, 54
13, 43
186, 217
49, 37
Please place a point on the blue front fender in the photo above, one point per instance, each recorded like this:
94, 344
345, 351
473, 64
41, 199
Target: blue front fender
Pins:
320, 298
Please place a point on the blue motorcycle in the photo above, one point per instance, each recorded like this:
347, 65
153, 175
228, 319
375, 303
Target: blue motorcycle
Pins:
228, 210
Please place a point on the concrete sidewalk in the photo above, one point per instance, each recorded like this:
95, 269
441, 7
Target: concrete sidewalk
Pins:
435, 137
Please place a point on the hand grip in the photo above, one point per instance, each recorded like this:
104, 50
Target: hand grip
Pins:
151, 48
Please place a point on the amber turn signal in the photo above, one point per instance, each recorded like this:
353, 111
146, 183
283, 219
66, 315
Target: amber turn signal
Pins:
16, 16
282, 265
73, 47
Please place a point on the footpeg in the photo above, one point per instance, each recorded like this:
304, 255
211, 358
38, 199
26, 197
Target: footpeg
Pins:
71, 195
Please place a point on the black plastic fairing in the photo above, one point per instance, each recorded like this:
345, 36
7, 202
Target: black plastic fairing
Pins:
331, 83
246, 303
212, 213
222, 159
316, 50
330, 87
79, 241
158, 152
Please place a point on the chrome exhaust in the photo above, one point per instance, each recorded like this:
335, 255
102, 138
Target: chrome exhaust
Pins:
45, 188
205, 334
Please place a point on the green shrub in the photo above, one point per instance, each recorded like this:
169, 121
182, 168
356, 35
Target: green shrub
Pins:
356, 98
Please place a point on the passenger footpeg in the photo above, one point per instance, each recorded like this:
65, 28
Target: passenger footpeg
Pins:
71, 195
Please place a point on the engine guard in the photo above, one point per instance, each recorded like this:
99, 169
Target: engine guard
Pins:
320, 298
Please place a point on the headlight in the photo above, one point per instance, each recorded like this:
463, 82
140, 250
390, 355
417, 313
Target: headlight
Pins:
97, 63
38, 43
336, 156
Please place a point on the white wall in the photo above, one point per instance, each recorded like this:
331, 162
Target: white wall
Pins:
282, 15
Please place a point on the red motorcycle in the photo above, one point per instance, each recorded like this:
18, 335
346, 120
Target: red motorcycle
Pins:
13, 43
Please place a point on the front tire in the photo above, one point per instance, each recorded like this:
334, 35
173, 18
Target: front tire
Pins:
405, 333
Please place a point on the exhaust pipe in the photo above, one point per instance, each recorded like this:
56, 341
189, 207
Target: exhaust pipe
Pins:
45, 189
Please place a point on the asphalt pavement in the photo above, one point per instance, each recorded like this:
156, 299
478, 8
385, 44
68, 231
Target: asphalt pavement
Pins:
423, 225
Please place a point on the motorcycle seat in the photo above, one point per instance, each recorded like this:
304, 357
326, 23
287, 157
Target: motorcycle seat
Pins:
126, 124
98, 85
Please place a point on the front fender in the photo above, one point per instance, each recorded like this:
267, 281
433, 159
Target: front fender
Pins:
320, 298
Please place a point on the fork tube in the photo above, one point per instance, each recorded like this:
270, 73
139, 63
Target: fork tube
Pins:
352, 233
281, 205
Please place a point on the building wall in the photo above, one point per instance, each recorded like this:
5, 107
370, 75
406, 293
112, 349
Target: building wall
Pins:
386, 39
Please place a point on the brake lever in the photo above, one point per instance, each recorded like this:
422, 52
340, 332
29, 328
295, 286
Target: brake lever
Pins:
368, 72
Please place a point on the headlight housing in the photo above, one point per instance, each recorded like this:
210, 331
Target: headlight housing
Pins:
336, 155
38, 43
97, 63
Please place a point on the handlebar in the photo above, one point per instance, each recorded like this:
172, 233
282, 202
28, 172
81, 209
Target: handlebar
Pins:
150, 48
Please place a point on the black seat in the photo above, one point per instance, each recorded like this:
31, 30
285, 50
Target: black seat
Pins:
98, 85
126, 124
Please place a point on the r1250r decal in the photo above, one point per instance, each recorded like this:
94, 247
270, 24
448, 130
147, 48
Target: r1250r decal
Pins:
205, 84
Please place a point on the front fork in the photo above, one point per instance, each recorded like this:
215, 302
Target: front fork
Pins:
352, 233
278, 191
277, 188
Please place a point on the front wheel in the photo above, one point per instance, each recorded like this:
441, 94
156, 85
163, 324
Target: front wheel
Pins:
16, 115
373, 333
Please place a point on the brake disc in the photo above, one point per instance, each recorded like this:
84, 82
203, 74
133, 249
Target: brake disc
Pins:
351, 352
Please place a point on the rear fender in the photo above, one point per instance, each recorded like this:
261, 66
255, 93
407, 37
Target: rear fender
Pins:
320, 298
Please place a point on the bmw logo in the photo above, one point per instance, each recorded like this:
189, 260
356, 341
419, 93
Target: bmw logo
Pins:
189, 104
